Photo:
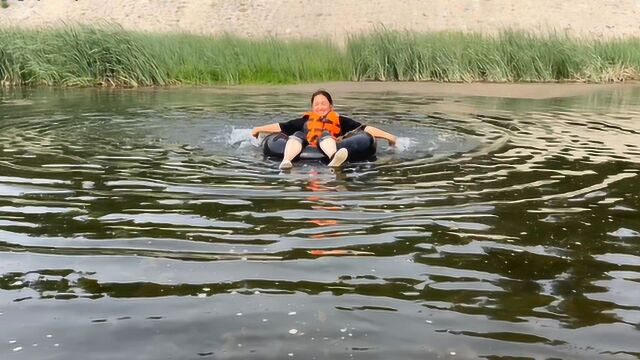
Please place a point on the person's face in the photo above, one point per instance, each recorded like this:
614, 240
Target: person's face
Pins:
321, 105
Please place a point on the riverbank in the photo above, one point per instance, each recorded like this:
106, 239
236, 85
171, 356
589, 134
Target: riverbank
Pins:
533, 91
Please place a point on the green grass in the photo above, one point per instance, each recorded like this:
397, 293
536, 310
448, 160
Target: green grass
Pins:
228, 59
511, 56
111, 56
76, 56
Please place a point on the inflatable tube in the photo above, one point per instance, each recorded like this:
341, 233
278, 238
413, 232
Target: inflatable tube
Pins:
361, 146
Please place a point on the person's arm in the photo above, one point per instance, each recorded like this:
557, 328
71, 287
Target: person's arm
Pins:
287, 127
269, 128
377, 133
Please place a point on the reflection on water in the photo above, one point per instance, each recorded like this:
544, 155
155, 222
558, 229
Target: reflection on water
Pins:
146, 224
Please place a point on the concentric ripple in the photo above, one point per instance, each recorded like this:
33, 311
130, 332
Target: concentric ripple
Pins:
150, 221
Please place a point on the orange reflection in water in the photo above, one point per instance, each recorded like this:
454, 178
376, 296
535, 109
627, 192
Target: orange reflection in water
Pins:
315, 186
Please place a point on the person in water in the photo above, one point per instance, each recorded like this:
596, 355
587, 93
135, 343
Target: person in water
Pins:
321, 127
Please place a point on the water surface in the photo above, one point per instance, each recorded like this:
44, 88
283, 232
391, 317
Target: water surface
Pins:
146, 224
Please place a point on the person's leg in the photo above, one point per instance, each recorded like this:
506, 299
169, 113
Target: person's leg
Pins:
328, 145
292, 149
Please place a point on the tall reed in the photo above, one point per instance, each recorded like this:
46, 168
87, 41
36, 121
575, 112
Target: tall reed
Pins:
228, 59
110, 56
76, 56
506, 57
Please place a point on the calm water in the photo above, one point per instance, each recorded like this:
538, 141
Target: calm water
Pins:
147, 225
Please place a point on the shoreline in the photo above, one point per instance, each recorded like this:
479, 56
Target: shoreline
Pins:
532, 91
340, 89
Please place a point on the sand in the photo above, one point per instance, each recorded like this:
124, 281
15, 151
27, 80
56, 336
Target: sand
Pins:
533, 91
334, 19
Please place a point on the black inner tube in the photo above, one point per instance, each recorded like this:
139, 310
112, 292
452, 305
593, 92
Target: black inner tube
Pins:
361, 146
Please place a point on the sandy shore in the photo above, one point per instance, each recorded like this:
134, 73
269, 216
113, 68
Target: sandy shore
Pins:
334, 19
513, 90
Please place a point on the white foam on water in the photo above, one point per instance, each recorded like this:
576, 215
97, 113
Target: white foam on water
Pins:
241, 138
624, 233
404, 144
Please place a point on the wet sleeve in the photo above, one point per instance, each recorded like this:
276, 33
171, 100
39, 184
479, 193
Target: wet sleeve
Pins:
290, 127
348, 124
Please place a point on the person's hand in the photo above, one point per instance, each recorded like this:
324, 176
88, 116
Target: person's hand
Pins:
392, 141
255, 132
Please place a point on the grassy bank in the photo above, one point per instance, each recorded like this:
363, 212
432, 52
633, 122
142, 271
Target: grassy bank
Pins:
90, 56
511, 56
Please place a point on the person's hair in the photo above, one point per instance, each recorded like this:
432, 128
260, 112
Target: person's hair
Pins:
323, 93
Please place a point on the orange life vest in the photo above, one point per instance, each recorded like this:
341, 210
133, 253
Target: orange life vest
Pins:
316, 124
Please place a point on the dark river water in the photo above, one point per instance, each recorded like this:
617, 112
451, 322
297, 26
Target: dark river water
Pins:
146, 224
